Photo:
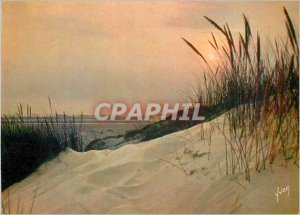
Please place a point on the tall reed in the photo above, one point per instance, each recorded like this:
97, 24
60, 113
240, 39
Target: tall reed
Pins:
28, 141
258, 90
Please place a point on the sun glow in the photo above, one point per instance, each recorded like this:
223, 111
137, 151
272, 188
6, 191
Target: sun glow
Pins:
212, 57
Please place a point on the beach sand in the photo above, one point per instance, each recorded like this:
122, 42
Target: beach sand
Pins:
172, 174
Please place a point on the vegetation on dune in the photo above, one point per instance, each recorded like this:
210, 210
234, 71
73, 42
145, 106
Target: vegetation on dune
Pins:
25, 146
259, 91
161, 128
152, 131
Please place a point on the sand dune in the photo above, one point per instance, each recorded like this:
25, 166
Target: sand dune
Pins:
172, 174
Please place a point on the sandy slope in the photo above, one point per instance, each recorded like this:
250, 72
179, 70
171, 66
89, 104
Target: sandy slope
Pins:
172, 174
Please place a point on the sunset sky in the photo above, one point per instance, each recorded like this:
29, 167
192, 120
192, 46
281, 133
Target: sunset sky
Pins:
83, 53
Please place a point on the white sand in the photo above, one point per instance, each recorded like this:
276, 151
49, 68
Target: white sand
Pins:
148, 178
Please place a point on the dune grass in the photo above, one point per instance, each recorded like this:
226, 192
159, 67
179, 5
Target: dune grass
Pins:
165, 127
28, 141
259, 91
152, 131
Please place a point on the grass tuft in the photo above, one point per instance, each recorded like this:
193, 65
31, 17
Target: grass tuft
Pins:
259, 93
28, 141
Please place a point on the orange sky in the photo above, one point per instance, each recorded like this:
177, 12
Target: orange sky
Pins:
82, 53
